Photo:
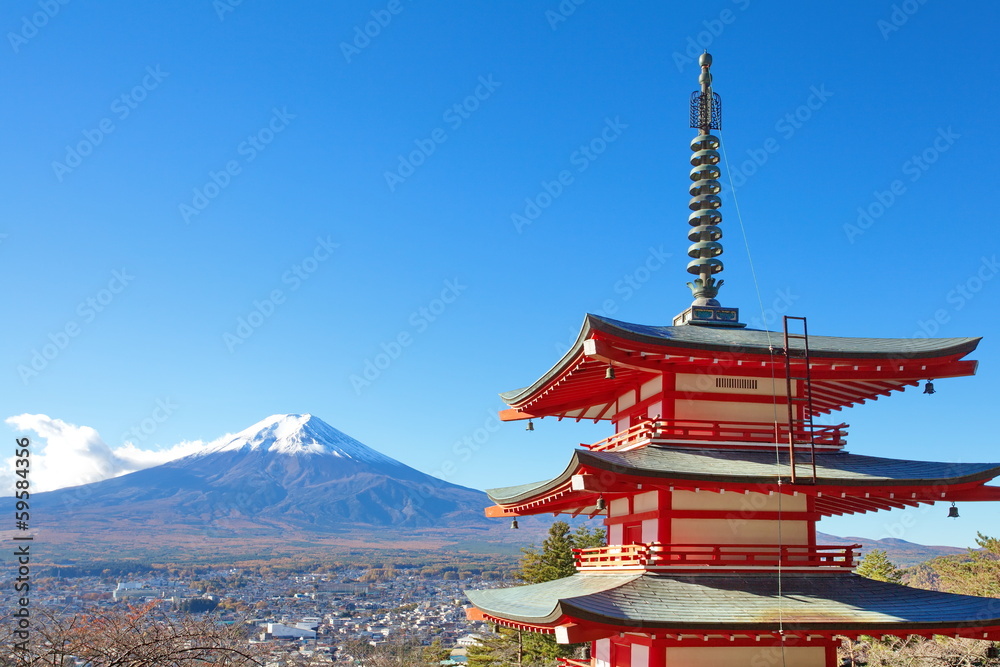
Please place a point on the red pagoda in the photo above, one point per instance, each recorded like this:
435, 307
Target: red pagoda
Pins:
716, 475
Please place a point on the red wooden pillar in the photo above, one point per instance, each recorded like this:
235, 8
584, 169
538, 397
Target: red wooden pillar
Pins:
668, 396
811, 507
663, 500
831, 654
621, 653
657, 653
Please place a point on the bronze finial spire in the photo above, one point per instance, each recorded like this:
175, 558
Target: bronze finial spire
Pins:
706, 115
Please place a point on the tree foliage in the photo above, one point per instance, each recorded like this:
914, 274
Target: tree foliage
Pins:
133, 636
977, 573
554, 560
876, 565
395, 654
914, 651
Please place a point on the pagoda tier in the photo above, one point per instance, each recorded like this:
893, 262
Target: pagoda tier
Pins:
691, 372
715, 477
844, 483
734, 609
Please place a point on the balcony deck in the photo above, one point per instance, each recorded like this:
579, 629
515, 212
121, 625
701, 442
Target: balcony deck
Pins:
721, 434
656, 556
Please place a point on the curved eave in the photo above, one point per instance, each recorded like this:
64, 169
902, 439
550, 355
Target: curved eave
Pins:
567, 361
840, 602
541, 603
757, 341
746, 468
683, 340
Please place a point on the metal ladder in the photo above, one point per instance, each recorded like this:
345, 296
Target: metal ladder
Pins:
799, 372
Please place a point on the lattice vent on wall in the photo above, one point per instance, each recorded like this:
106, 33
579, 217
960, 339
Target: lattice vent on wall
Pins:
735, 383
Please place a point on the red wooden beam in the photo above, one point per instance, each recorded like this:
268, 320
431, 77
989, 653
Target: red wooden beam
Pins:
579, 632
594, 483
513, 415
979, 493
719, 396
629, 354
582, 400
603, 351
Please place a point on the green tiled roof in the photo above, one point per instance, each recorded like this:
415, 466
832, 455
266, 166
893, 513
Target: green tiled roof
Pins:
755, 341
757, 467
726, 339
738, 601
541, 600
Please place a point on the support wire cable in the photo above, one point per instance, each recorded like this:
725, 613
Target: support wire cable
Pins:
774, 384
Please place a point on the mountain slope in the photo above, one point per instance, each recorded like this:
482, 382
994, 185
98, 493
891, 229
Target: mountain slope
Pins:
294, 479
287, 472
900, 552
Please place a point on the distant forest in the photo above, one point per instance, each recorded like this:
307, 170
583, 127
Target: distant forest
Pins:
974, 573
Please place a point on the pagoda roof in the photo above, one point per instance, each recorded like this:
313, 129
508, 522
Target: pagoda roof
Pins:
848, 370
755, 468
734, 602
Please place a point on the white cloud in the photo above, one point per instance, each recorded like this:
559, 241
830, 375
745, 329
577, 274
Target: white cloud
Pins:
65, 454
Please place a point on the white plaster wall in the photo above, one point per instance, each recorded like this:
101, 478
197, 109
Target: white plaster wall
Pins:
602, 653
649, 530
737, 531
618, 507
615, 533
739, 502
645, 502
730, 411
640, 655
747, 656
650, 388
706, 383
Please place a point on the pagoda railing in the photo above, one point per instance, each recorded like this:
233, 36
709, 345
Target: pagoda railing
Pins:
672, 430
655, 555
574, 662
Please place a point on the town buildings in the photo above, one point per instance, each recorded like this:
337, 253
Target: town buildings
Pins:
317, 616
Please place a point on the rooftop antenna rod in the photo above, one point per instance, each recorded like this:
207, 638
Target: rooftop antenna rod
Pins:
705, 217
706, 115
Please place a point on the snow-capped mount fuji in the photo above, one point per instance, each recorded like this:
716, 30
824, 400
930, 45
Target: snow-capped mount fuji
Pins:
299, 434
283, 475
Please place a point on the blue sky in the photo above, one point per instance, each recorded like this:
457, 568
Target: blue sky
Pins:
230, 209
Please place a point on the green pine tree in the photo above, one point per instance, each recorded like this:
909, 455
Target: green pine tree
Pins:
977, 573
553, 561
876, 565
